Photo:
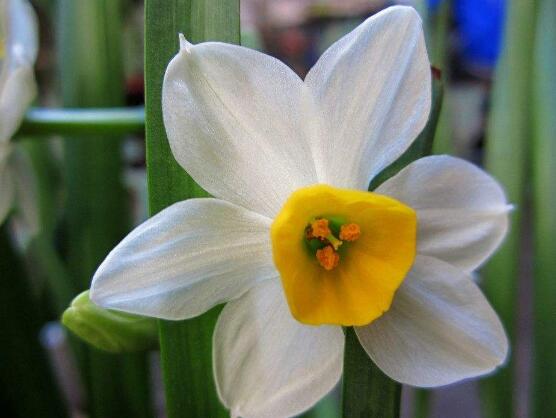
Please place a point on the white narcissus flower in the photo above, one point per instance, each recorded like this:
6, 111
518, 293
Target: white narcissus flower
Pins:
18, 52
293, 232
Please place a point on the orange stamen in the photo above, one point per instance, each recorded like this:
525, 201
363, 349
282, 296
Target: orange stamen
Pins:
327, 257
320, 229
350, 232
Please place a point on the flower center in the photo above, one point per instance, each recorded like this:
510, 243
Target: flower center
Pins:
324, 236
342, 254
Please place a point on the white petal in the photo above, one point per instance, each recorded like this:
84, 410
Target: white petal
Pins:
462, 212
16, 96
266, 363
17, 82
233, 121
22, 39
439, 330
188, 258
6, 183
372, 89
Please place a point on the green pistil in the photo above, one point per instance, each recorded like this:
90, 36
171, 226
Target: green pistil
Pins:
335, 242
335, 224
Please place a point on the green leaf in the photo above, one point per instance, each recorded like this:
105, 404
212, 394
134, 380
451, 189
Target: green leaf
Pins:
27, 385
108, 330
544, 215
508, 135
97, 216
186, 345
41, 251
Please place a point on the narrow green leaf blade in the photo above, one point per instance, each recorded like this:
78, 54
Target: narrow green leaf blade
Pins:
185, 346
544, 214
507, 153
97, 216
27, 385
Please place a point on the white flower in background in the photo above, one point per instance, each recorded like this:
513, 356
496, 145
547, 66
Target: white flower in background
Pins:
18, 51
293, 232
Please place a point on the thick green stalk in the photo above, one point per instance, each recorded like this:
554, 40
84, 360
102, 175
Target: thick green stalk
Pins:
96, 208
106, 121
508, 136
185, 346
367, 391
27, 385
544, 203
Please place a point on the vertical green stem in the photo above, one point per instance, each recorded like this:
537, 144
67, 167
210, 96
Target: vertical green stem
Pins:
544, 203
27, 386
367, 391
421, 403
507, 152
96, 211
185, 346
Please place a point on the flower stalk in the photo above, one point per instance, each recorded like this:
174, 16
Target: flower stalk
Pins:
367, 392
40, 122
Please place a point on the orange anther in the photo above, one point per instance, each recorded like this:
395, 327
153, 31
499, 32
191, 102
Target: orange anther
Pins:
350, 232
327, 257
320, 229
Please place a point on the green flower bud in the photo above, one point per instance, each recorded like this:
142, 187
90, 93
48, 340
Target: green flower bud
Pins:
109, 330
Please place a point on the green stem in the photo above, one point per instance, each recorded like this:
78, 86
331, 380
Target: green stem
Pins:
367, 392
101, 121
27, 386
544, 216
421, 403
97, 216
185, 346
507, 155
